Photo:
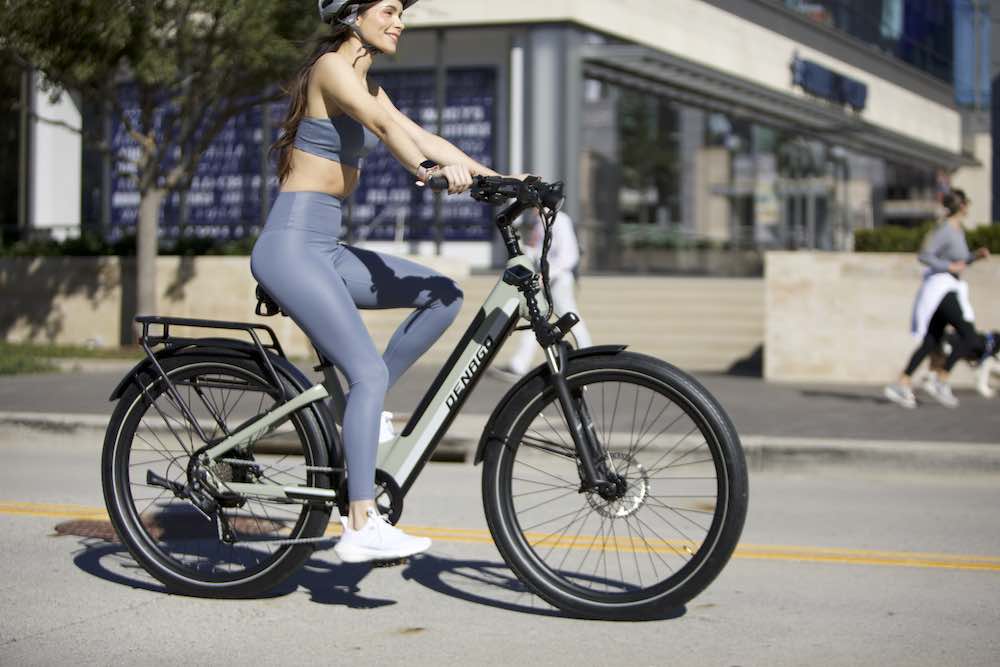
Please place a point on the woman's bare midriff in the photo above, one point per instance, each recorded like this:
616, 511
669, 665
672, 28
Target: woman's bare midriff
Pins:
312, 173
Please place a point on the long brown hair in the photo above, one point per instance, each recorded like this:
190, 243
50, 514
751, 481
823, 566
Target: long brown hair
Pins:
298, 88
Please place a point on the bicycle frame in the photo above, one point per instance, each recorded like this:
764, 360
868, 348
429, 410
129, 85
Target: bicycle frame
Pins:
512, 297
404, 457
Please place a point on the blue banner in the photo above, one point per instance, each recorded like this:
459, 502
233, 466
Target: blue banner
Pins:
224, 201
387, 202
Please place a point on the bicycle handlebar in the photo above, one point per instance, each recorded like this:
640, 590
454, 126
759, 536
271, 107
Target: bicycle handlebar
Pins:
532, 192
437, 183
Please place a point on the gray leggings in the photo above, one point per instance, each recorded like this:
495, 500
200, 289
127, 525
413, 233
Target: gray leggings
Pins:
321, 283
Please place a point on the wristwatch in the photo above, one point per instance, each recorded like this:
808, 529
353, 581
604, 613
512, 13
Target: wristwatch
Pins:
428, 164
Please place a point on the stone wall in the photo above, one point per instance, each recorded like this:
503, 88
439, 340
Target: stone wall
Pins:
696, 323
844, 317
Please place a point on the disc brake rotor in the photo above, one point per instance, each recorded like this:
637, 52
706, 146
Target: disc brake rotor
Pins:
636, 489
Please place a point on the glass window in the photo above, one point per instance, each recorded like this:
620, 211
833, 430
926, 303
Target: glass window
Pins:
919, 32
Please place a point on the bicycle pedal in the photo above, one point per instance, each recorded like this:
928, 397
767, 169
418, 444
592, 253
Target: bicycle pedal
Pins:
390, 563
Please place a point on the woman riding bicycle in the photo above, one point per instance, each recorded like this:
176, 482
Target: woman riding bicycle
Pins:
337, 115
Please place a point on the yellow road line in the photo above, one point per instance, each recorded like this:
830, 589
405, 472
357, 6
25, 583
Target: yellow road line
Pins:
744, 551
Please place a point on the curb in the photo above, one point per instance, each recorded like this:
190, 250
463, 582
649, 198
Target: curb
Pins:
763, 452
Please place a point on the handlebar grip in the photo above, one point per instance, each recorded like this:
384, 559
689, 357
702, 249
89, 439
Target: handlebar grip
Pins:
437, 183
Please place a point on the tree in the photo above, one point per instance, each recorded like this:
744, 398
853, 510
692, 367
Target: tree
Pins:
193, 65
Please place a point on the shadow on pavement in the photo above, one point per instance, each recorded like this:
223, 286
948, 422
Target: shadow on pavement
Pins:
845, 396
751, 366
481, 582
488, 583
111, 561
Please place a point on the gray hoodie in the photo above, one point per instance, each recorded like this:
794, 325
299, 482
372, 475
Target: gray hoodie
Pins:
944, 245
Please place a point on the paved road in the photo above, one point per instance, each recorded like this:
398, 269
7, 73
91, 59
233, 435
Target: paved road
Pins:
835, 568
758, 408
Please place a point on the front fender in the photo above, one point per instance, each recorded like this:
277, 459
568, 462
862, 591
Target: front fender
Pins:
488, 434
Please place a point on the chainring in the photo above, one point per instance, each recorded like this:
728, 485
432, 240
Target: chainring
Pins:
388, 497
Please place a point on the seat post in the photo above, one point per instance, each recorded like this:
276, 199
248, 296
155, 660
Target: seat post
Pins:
337, 403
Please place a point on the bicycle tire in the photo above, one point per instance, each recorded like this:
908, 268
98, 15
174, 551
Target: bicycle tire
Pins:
577, 592
171, 523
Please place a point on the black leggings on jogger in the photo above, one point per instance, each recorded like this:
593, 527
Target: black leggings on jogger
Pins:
968, 346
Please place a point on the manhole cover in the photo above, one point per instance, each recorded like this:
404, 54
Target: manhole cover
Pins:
101, 530
166, 526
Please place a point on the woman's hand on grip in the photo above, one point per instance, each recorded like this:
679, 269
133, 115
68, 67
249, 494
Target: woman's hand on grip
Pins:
459, 177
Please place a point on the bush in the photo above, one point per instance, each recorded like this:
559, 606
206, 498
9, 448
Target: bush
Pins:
644, 236
16, 359
91, 245
894, 238
987, 236
891, 238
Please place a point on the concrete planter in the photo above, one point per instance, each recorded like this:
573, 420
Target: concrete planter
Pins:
696, 323
845, 317
694, 261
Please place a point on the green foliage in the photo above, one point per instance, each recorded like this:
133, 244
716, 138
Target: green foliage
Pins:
54, 351
90, 245
37, 358
987, 236
891, 238
14, 364
894, 238
668, 238
204, 61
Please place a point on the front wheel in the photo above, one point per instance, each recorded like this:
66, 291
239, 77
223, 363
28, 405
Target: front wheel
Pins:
670, 530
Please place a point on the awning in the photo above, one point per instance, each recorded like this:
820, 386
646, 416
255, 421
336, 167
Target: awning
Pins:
699, 86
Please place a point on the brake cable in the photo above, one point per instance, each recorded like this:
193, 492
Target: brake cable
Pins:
548, 218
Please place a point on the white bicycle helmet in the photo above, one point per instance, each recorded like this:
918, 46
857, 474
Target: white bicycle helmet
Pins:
329, 9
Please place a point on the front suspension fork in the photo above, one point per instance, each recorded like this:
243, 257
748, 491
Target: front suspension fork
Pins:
590, 453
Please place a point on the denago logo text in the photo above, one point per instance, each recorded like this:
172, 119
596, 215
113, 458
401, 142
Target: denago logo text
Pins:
470, 372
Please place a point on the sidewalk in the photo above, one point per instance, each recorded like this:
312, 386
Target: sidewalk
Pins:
787, 424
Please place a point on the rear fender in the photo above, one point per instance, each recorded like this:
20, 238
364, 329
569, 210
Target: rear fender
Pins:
227, 348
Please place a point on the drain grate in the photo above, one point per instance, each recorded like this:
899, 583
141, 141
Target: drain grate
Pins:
166, 526
101, 530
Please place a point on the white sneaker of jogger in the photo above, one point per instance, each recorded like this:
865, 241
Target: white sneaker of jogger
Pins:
377, 540
900, 395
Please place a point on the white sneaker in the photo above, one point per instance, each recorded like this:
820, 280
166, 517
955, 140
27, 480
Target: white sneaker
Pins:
385, 431
901, 395
929, 384
987, 367
941, 392
377, 540
504, 372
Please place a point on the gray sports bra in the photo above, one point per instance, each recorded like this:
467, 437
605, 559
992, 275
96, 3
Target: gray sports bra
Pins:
341, 139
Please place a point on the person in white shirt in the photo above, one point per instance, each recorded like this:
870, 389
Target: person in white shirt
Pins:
564, 255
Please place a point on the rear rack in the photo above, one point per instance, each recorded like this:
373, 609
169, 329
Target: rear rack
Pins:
149, 341
149, 320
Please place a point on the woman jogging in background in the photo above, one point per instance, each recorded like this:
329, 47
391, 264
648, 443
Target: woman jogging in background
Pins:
335, 117
942, 301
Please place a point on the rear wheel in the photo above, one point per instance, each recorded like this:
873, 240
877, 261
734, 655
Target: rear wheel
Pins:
681, 504
246, 546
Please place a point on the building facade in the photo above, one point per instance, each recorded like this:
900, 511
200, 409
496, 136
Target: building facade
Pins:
722, 124
750, 123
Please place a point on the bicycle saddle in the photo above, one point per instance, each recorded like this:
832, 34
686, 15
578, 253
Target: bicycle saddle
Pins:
266, 305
